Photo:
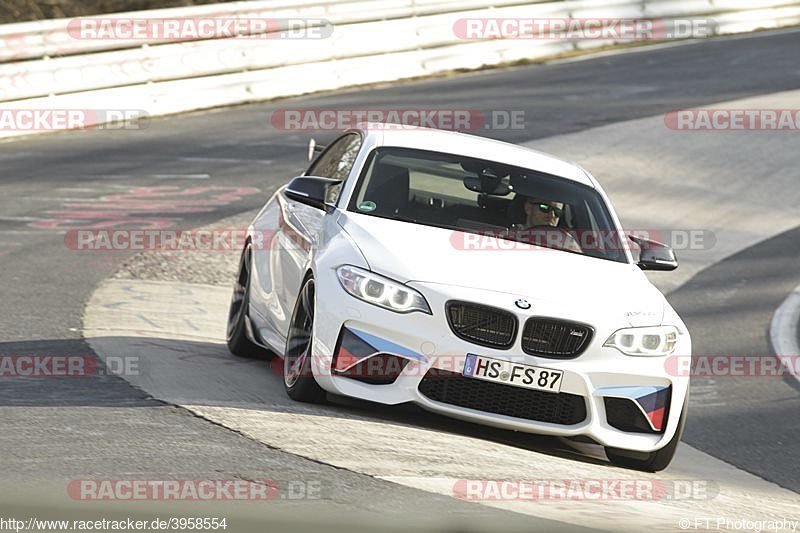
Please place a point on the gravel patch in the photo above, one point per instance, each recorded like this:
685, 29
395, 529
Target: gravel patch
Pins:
206, 267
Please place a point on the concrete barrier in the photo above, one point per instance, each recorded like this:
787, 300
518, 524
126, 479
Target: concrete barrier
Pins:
43, 65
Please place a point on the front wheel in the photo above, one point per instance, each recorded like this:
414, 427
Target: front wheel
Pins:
650, 461
297, 376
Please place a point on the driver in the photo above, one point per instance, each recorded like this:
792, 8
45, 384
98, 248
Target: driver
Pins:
542, 212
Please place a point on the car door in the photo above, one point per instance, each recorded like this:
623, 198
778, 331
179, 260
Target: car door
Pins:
288, 256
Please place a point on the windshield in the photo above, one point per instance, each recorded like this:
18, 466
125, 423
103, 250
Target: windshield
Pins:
478, 196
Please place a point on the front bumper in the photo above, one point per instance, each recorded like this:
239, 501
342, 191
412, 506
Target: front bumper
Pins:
426, 344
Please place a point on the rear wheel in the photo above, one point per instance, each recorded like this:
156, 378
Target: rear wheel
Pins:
650, 461
238, 343
297, 376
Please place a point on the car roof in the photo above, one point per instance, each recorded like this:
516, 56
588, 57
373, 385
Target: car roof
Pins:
382, 134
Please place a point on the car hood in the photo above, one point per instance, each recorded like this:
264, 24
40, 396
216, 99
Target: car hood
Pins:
409, 252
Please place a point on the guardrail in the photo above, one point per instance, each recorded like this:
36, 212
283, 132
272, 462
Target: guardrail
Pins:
43, 65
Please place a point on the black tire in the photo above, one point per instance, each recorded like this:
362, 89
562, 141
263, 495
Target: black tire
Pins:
236, 337
652, 461
297, 376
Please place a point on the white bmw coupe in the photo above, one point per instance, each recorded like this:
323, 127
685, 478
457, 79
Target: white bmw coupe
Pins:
478, 279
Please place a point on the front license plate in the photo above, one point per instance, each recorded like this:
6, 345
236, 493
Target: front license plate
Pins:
510, 373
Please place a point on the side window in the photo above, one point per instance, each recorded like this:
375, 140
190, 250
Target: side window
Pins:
337, 162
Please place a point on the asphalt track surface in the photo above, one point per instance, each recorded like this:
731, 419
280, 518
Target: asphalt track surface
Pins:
45, 285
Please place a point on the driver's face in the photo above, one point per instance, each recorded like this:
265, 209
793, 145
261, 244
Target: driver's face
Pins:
541, 212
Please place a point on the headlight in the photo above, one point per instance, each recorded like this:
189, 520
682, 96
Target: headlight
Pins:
656, 340
381, 291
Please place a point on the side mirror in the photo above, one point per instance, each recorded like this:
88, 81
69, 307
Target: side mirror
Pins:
655, 255
310, 190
